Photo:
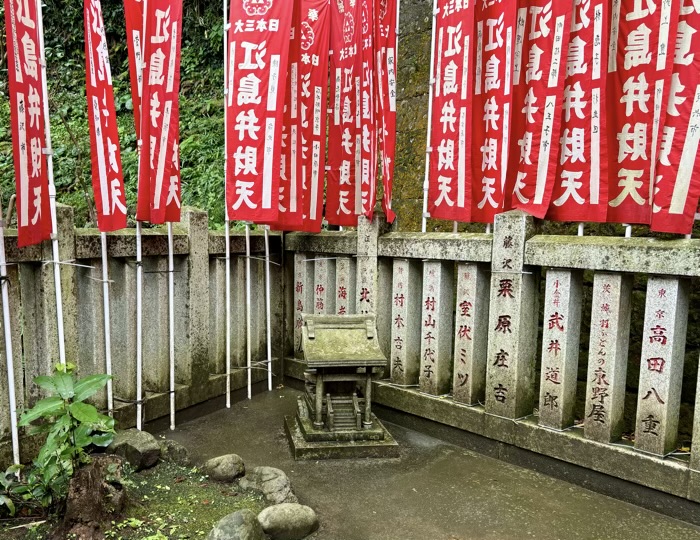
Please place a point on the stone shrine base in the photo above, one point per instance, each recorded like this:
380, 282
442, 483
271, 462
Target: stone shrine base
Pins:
308, 443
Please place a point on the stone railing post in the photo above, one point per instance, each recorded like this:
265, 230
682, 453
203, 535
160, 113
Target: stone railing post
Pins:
193, 364
513, 316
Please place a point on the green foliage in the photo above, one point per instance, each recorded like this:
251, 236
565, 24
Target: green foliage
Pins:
71, 426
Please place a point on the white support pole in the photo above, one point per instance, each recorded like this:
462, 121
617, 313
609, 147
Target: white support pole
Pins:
580, 229
171, 322
106, 318
628, 230
48, 151
426, 182
488, 228
248, 344
228, 225
455, 226
139, 328
268, 315
8, 345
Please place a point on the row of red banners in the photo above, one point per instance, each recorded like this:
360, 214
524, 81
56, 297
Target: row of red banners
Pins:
584, 110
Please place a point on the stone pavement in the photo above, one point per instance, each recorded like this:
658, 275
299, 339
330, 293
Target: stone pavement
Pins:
435, 491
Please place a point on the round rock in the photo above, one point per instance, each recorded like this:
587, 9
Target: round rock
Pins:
139, 448
273, 483
174, 452
225, 468
288, 521
241, 525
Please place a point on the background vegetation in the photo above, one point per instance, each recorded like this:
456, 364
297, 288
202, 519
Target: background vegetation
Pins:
201, 106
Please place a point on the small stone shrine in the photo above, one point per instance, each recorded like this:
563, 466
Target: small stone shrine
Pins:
334, 416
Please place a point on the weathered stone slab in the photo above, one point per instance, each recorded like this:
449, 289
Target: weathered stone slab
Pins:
471, 333
345, 282
661, 368
324, 285
344, 242
405, 319
436, 328
607, 356
471, 247
303, 295
561, 334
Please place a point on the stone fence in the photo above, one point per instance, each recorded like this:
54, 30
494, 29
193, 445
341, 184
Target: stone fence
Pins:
524, 338
200, 331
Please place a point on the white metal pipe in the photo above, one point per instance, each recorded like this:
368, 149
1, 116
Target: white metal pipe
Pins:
268, 315
431, 86
228, 226
248, 344
171, 323
455, 226
48, 151
488, 228
628, 231
580, 229
8, 346
106, 318
139, 328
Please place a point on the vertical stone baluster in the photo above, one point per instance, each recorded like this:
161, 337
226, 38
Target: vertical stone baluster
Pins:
324, 285
471, 333
661, 367
405, 320
238, 315
695, 449
436, 328
512, 320
303, 295
345, 282
368, 233
561, 333
607, 356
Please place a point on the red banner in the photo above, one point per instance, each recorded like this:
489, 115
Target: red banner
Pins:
343, 192
580, 186
258, 51
386, 44
107, 178
27, 114
135, 29
495, 36
542, 38
640, 63
159, 174
450, 179
368, 154
678, 167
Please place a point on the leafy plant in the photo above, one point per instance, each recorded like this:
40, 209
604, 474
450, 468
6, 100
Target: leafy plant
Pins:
70, 426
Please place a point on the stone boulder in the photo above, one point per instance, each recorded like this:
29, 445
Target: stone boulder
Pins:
241, 525
139, 448
288, 521
273, 483
174, 452
224, 468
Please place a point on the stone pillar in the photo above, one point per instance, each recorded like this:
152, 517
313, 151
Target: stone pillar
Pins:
436, 328
661, 368
303, 295
561, 333
15, 318
607, 356
345, 281
239, 323
695, 449
123, 306
155, 324
405, 321
471, 333
368, 233
192, 364
217, 315
324, 285
513, 316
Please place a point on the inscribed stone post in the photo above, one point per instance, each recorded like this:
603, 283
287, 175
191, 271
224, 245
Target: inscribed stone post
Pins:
561, 333
661, 368
303, 295
345, 281
405, 322
367, 268
471, 333
324, 285
512, 320
607, 356
436, 328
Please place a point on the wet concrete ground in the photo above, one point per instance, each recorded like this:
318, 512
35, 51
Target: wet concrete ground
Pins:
435, 491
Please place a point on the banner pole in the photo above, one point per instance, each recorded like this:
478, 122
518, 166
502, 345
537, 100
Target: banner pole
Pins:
139, 326
171, 322
431, 86
48, 151
106, 318
228, 223
268, 315
580, 229
248, 344
10, 360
